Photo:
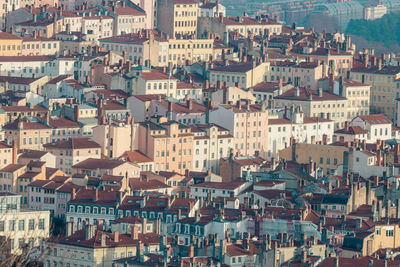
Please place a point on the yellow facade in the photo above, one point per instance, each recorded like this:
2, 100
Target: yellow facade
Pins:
193, 50
10, 45
178, 17
384, 89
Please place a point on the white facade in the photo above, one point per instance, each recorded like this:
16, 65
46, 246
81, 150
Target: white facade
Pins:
35, 66
209, 146
302, 129
377, 128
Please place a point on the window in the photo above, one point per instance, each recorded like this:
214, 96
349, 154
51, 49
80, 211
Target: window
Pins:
21, 225
11, 225
390, 233
41, 224
31, 224
1, 226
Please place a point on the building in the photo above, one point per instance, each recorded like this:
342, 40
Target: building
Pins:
317, 103
212, 9
303, 74
178, 18
11, 45
358, 95
378, 126
116, 137
22, 227
168, 143
211, 143
72, 151
283, 132
241, 24
247, 123
384, 87
239, 74
326, 157
152, 81
99, 167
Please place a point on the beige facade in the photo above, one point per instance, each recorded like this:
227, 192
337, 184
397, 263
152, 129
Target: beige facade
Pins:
191, 50
139, 48
304, 74
40, 47
73, 151
326, 157
318, 103
243, 75
97, 27
247, 123
384, 88
168, 143
178, 18
27, 135
116, 138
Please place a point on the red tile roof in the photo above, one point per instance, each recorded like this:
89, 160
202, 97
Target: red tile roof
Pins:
135, 157
92, 163
375, 119
306, 93
73, 143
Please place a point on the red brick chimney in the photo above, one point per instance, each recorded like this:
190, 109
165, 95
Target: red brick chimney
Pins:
379, 158
14, 152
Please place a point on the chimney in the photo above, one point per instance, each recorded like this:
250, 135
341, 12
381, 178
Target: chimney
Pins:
346, 126
379, 158
191, 251
116, 237
14, 152
304, 256
76, 109
103, 240
135, 232
96, 194
73, 194
144, 226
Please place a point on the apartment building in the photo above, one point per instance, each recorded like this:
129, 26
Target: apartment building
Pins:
98, 167
384, 87
11, 45
303, 74
337, 61
127, 18
27, 134
212, 9
178, 17
40, 46
378, 126
9, 177
21, 227
295, 127
326, 157
168, 143
247, 123
152, 81
317, 103
139, 48
187, 50
240, 74
242, 24
72, 151
97, 27
211, 143
116, 137
357, 94
186, 112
